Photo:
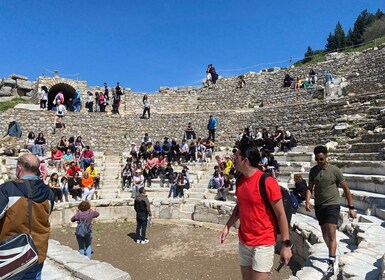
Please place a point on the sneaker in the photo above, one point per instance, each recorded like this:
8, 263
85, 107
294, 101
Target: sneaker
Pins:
145, 241
138, 241
330, 270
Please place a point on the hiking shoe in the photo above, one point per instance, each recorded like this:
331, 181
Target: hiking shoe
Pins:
138, 241
145, 241
330, 270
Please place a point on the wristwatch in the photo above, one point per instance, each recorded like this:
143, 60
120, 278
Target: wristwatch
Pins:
351, 207
287, 243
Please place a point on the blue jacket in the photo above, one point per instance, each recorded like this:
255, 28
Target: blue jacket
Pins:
14, 130
212, 124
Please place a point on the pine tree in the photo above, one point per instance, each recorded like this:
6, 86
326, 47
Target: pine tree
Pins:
308, 54
339, 36
331, 44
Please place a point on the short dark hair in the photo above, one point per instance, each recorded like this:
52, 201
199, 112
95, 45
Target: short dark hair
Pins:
250, 151
141, 190
320, 149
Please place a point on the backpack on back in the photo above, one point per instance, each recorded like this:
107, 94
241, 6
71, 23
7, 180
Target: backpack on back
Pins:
287, 202
82, 229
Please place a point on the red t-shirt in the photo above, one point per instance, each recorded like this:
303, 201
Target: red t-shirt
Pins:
257, 226
71, 172
57, 156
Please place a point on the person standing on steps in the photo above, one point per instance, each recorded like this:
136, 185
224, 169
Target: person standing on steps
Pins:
146, 106
324, 180
143, 214
212, 126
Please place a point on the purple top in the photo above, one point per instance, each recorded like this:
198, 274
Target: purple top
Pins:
88, 216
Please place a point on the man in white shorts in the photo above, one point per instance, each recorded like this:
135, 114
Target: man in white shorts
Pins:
257, 229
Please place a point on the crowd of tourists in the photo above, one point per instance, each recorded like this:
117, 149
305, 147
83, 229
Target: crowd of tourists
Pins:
155, 159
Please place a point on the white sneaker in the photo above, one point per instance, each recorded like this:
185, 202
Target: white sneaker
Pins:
138, 241
145, 241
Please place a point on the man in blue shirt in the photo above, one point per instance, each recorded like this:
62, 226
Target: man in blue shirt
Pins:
211, 126
13, 135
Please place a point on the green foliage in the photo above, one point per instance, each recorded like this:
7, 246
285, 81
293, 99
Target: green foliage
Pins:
10, 104
337, 40
367, 27
374, 31
308, 55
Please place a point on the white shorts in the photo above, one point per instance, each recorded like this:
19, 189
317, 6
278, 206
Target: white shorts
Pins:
260, 258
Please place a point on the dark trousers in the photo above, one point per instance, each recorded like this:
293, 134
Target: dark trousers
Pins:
75, 193
212, 134
43, 104
144, 112
141, 225
57, 193
90, 106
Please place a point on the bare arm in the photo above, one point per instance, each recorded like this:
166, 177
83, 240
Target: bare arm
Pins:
233, 219
308, 195
349, 198
279, 211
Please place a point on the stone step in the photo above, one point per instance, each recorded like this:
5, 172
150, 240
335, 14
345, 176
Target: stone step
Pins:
357, 156
365, 201
361, 167
368, 183
196, 195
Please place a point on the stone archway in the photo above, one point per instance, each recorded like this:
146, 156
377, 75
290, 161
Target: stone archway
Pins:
67, 90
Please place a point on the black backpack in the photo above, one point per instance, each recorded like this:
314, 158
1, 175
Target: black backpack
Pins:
287, 204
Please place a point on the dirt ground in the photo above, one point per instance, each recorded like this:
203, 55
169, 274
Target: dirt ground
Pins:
174, 252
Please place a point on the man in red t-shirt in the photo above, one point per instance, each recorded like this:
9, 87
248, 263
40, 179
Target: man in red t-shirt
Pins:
257, 231
71, 171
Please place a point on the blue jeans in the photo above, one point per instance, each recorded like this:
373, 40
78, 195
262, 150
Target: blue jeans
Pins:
141, 224
84, 163
34, 273
85, 245
172, 190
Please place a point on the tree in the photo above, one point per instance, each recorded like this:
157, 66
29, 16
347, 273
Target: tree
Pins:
339, 36
379, 14
331, 44
308, 54
374, 31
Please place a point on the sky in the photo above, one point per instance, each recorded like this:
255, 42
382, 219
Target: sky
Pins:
148, 44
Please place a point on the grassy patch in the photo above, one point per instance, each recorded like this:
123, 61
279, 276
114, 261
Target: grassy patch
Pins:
367, 46
11, 103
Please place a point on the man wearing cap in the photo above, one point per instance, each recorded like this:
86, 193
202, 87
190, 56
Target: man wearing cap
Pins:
137, 182
212, 126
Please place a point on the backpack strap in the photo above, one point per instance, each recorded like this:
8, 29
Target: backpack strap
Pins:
263, 193
29, 189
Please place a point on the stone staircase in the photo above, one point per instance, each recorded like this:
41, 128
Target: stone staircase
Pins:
110, 177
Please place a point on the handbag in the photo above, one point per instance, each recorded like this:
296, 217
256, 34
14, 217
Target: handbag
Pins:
18, 253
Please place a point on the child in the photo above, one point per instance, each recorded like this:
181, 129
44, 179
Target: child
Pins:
64, 188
